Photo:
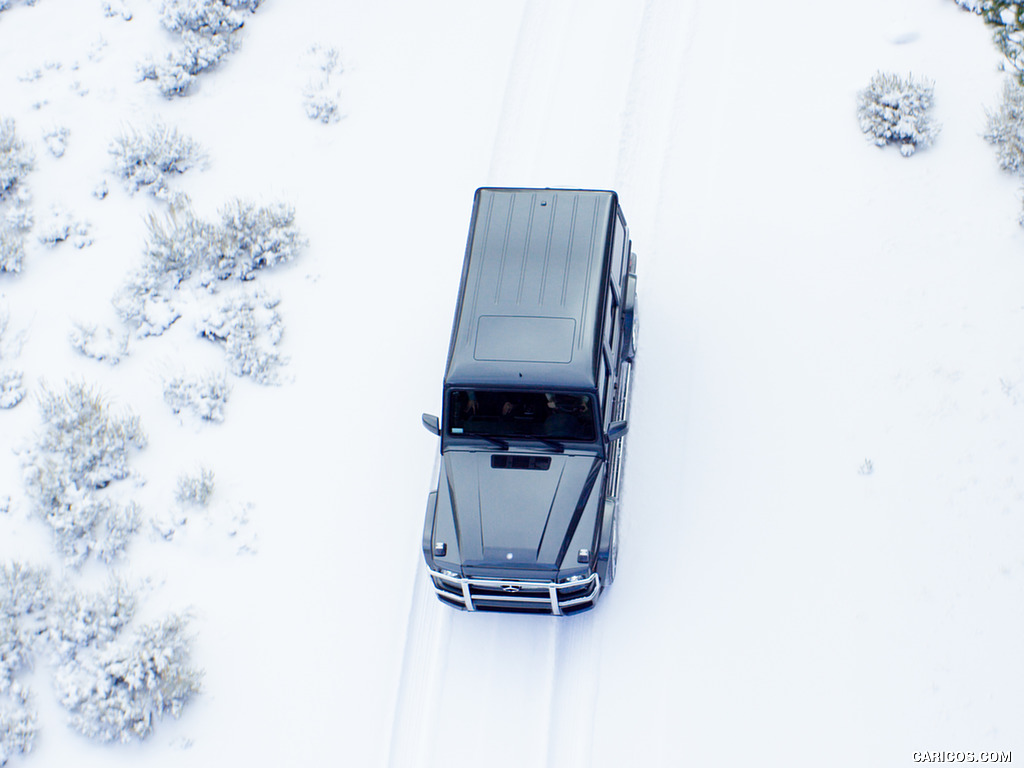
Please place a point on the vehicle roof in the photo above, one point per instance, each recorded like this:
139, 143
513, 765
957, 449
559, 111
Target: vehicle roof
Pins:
533, 289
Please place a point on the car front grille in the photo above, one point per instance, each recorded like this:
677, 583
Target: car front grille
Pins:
475, 594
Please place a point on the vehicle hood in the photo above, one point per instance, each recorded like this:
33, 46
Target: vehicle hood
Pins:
518, 518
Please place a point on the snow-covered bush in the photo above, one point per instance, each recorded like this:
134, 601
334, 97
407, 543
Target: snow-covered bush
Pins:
16, 159
24, 595
12, 248
176, 247
82, 522
248, 239
248, 326
321, 96
93, 442
142, 305
12, 390
118, 692
897, 111
256, 237
181, 248
77, 621
61, 226
18, 208
180, 245
208, 32
195, 489
113, 8
1005, 128
145, 158
1007, 19
206, 17
175, 76
56, 140
82, 448
24, 589
204, 395
5, 4
18, 722
107, 346
15, 220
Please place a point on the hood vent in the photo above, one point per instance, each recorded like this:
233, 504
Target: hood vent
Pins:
507, 461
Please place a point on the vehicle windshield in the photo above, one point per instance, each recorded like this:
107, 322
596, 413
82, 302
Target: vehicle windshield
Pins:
525, 414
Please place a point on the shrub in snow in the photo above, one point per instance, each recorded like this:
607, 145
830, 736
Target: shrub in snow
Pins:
83, 522
80, 429
174, 77
113, 8
118, 692
18, 722
248, 326
146, 158
179, 245
12, 390
204, 395
56, 140
16, 160
104, 346
175, 248
195, 489
248, 239
24, 595
143, 306
61, 226
1005, 128
12, 248
18, 209
205, 17
24, 589
77, 621
1007, 17
897, 111
207, 30
321, 96
82, 449
256, 237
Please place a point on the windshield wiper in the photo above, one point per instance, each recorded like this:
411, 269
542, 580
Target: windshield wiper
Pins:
496, 440
553, 444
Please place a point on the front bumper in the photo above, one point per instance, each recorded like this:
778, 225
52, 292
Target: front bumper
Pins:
479, 594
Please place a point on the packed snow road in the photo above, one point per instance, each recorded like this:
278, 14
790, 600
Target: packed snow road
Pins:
589, 103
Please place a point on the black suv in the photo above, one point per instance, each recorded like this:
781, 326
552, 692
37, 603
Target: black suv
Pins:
523, 513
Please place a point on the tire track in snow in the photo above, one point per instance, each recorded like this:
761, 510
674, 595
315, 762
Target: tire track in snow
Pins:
423, 667
648, 126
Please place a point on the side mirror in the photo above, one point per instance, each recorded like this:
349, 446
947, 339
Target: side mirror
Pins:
617, 429
431, 423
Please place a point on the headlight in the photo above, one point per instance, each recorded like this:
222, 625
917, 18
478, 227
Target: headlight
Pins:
574, 578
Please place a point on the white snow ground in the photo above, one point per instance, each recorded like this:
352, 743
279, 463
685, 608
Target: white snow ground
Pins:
808, 302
